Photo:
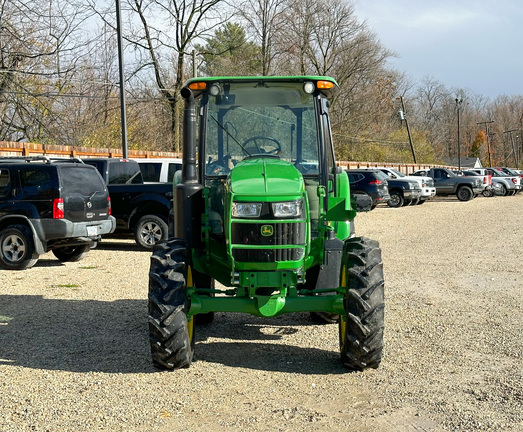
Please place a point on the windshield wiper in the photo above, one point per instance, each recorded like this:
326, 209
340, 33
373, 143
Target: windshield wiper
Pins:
229, 134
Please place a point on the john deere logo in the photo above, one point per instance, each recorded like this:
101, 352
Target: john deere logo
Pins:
267, 230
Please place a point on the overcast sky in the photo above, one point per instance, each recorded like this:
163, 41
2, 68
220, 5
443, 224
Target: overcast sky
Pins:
473, 44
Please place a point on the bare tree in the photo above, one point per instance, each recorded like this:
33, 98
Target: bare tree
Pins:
163, 49
265, 21
40, 42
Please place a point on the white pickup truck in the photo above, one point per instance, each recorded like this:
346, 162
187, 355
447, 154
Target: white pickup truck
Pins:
159, 170
426, 183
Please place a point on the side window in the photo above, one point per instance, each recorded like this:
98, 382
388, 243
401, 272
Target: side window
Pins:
150, 171
4, 182
36, 182
124, 173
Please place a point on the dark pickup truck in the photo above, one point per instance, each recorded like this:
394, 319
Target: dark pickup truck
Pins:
140, 209
448, 183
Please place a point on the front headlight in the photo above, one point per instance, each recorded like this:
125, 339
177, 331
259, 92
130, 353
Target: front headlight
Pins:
246, 210
287, 209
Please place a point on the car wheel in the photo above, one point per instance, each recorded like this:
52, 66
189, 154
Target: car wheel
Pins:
71, 253
396, 200
503, 190
465, 193
17, 250
149, 231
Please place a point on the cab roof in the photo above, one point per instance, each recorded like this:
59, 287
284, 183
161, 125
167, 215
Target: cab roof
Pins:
328, 92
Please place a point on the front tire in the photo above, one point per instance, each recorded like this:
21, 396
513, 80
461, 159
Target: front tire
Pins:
171, 333
149, 231
361, 328
17, 251
465, 193
396, 200
72, 253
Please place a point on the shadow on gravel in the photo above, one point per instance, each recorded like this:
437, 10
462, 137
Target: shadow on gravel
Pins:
111, 337
49, 263
115, 245
270, 357
76, 336
255, 344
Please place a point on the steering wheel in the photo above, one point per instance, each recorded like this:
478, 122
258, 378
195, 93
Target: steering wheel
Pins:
274, 145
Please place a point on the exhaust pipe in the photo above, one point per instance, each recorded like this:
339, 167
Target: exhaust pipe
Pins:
188, 199
189, 172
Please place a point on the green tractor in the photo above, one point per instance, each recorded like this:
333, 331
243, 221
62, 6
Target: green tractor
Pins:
262, 208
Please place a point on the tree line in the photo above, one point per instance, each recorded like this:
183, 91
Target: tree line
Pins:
59, 81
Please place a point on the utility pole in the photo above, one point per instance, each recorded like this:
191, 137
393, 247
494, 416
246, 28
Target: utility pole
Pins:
486, 123
513, 144
459, 102
123, 116
403, 116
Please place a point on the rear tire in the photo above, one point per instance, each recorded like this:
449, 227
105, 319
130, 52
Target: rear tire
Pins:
17, 251
324, 317
149, 231
465, 193
171, 334
71, 253
203, 281
361, 328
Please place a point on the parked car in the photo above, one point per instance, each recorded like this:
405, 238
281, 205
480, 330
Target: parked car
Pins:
513, 172
159, 170
508, 185
449, 183
371, 182
486, 180
428, 190
44, 206
140, 209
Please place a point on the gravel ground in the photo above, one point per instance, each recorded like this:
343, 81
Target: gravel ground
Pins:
74, 352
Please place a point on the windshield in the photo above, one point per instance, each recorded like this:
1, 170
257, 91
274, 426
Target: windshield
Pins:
398, 173
275, 120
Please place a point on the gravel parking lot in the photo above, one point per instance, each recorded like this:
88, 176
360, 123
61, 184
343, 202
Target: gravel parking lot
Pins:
74, 353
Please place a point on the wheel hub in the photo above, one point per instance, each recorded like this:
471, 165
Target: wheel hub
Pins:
13, 248
151, 233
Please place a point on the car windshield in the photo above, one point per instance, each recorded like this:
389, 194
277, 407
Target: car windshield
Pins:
398, 173
261, 119
381, 175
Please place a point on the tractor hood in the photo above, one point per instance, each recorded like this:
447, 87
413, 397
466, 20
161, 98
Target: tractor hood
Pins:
274, 179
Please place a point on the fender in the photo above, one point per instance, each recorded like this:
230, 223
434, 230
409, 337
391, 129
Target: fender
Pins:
23, 220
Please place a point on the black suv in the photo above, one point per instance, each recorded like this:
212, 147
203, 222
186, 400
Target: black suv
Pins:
371, 182
46, 205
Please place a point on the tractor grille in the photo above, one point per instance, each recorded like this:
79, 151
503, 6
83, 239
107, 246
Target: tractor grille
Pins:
268, 234
267, 255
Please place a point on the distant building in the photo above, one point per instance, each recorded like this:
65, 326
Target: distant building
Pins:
466, 162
